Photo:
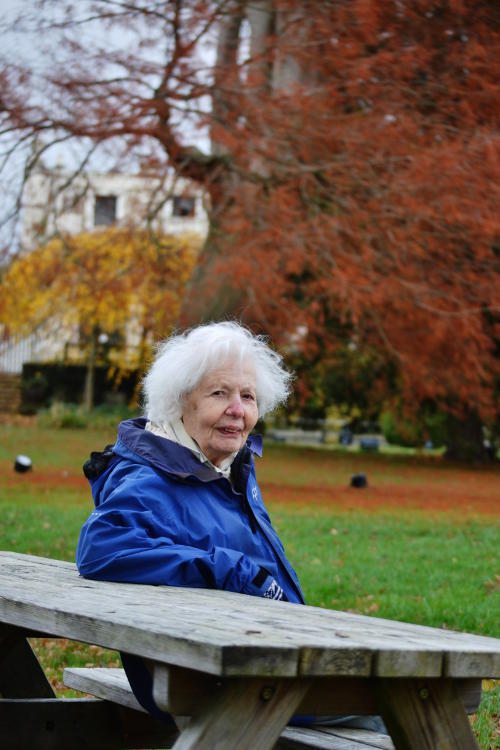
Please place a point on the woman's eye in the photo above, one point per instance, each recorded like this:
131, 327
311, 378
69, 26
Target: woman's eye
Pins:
248, 396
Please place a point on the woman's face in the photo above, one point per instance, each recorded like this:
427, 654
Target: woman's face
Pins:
221, 412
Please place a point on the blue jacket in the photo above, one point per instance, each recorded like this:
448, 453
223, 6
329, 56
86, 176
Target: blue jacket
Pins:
162, 517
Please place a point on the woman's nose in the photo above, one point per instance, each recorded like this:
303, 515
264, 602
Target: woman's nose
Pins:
235, 407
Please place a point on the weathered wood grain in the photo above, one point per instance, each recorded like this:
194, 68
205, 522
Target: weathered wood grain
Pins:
112, 684
155, 622
108, 683
186, 689
229, 634
325, 738
243, 716
425, 715
362, 736
261, 661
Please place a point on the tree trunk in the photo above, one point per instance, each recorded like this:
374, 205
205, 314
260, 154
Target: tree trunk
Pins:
210, 296
465, 439
239, 191
88, 395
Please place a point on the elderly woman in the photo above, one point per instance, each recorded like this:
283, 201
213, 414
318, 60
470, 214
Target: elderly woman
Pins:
177, 501
176, 497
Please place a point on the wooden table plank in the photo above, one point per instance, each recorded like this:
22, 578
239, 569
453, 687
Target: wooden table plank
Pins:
230, 634
363, 736
325, 738
107, 683
151, 621
419, 640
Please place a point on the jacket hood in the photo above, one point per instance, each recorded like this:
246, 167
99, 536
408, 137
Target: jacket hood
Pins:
137, 443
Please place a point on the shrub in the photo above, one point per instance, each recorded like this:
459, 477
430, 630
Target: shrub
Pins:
109, 416
63, 416
399, 430
413, 433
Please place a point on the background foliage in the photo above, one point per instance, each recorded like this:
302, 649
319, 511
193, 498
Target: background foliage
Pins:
350, 155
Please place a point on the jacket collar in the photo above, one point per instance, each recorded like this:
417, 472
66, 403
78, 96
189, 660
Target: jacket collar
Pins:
166, 455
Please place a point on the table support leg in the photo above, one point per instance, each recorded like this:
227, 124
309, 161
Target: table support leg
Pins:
21, 675
425, 715
245, 715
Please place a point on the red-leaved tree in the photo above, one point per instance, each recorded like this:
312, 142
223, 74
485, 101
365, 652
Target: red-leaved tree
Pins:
353, 171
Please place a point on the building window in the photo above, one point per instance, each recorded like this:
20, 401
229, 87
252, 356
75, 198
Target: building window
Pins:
104, 210
183, 206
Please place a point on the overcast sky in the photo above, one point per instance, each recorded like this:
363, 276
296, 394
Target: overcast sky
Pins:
26, 46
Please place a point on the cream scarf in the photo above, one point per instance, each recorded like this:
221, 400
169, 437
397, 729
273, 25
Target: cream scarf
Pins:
176, 432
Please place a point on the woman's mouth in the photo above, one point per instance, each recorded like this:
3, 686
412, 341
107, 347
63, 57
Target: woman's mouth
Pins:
230, 431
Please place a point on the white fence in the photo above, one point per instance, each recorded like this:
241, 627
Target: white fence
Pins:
13, 354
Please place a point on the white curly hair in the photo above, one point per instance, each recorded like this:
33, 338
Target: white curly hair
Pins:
183, 360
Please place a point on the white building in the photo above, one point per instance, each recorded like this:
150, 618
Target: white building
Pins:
56, 202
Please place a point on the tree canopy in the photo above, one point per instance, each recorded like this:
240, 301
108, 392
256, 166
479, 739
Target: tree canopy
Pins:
122, 282
352, 167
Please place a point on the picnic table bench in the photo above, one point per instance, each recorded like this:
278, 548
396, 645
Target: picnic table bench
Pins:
231, 669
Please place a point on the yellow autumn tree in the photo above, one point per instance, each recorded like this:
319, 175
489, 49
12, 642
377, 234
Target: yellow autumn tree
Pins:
99, 283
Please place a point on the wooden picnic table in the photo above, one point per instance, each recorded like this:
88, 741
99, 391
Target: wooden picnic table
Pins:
239, 666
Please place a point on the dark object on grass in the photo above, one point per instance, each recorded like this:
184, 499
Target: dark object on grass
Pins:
358, 480
22, 464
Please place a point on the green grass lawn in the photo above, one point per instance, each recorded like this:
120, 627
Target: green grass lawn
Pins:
437, 573
435, 568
